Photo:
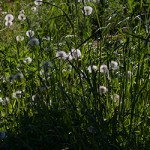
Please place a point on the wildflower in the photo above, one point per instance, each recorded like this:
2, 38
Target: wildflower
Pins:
19, 38
8, 23
104, 69
27, 60
17, 94
9, 17
76, 54
61, 55
19, 76
92, 68
29, 33
34, 42
103, 89
87, 10
38, 2
114, 65
21, 17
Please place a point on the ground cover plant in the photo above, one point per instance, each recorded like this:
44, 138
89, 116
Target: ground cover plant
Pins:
75, 75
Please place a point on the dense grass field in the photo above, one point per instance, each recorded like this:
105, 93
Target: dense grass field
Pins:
75, 75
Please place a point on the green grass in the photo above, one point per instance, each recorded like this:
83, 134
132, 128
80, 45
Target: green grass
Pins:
61, 108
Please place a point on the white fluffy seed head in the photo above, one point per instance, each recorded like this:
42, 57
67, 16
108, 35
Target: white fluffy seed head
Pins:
92, 68
8, 23
46, 64
17, 94
29, 33
19, 76
69, 56
34, 42
87, 10
61, 55
19, 38
104, 68
129, 74
114, 65
76, 54
34, 9
38, 2
115, 97
21, 16
103, 90
9, 17
27, 60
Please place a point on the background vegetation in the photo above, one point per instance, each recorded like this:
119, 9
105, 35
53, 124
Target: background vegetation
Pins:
50, 102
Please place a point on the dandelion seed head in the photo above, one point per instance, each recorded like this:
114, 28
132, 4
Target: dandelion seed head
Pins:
104, 68
114, 65
34, 9
27, 60
22, 16
29, 33
103, 90
87, 10
115, 97
61, 55
18, 76
17, 94
76, 54
69, 57
19, 38
92, 68
34, 42
46, 64
8, 23
130, 74
21, 11
38, 2
9, 17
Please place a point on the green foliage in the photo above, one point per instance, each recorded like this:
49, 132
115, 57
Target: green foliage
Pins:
51, 102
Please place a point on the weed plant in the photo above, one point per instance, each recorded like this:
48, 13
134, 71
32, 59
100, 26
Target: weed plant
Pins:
75, 75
